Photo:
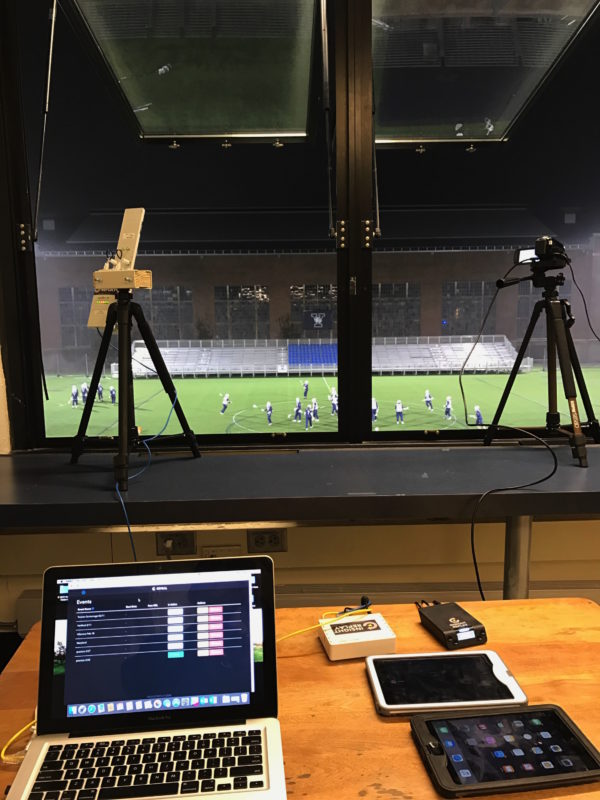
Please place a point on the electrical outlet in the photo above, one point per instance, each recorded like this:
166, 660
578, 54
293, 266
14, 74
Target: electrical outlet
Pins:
267, 540
221, 550
182, 543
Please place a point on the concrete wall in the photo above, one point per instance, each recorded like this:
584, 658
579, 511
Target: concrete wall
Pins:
335, 565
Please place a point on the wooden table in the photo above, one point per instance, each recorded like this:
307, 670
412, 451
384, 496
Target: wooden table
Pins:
334, 743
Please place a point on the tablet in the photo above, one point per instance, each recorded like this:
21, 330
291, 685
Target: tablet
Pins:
415, 682
537, 747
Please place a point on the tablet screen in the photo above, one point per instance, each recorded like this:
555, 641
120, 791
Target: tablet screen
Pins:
504, 747
439, 679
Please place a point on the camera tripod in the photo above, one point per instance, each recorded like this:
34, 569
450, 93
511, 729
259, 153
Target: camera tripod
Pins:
120, 313
559, 321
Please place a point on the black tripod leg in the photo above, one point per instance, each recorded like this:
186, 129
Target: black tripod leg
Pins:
126, 422
593, 426
552, 415
163, 374
79, 439
537, 310
577, 439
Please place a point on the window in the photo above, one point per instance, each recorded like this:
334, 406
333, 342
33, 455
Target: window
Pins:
396, 309
240, 235
464, 304
169, 312
241, 312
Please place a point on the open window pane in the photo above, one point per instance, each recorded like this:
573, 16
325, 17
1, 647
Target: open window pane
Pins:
208, 67
463, 70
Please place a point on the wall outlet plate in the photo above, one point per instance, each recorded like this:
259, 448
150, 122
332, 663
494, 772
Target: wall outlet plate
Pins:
181, 543
267, 540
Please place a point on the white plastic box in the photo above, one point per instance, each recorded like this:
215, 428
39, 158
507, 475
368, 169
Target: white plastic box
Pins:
356, 637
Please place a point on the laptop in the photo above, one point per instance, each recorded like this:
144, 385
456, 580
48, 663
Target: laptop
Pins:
156, 679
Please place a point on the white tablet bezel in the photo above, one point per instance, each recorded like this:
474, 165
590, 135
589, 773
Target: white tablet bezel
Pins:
500, 670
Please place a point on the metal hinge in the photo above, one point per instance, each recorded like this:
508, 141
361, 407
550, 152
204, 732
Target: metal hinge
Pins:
341, 234
24, 241
366, 233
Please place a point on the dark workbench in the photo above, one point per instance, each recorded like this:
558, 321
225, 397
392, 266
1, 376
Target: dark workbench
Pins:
361, 485
333, 486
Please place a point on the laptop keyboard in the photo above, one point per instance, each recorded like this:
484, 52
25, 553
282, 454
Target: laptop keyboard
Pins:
197, 763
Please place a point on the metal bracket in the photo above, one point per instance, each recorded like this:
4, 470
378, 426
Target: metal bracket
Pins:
341, 234
367, 233
24, 240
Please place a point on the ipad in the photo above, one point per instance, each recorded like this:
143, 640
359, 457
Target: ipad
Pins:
537, 747
415, 682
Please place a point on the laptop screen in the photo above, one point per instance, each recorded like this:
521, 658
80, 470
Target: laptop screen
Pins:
159, 644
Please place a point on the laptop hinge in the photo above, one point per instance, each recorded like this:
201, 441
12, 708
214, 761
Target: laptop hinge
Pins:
153, 726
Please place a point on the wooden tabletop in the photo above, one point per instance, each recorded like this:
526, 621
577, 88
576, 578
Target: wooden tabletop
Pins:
336, 746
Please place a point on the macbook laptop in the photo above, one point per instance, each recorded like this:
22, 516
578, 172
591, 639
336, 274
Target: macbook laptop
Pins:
156, 679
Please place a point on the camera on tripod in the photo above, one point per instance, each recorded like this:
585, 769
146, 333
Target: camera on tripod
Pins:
547, 253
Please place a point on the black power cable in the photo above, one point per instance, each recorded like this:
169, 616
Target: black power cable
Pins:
504, 427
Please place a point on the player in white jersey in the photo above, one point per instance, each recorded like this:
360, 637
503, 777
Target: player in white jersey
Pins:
399, 412
448, 408
226, 402
269, 411
315, 409
298, 411
308, 417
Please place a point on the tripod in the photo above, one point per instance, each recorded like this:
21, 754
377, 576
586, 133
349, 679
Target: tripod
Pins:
120, 312
559, 342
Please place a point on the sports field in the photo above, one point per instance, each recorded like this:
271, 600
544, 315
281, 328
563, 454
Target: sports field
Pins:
201, 399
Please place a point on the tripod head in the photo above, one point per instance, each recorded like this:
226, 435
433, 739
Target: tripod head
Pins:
549, 254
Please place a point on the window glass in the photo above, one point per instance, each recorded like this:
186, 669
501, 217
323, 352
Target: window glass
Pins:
243, 303
415, 373
205, 68
456, 71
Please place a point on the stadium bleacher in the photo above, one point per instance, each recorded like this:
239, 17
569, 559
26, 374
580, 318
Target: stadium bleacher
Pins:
390, 356
313, 355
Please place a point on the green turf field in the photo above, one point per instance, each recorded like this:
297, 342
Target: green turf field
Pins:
201, 400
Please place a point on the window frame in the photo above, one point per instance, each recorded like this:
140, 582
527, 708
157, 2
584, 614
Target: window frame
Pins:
350, 21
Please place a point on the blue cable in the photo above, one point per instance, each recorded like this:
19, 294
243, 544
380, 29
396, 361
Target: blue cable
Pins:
141, 472
151, 438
